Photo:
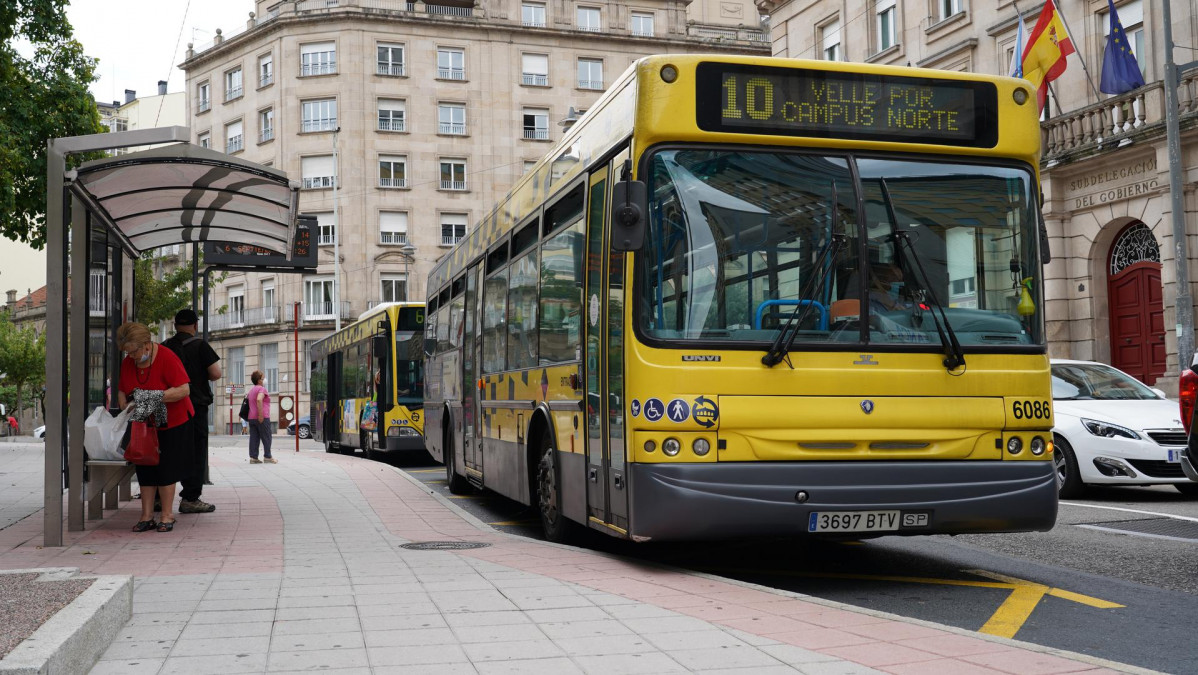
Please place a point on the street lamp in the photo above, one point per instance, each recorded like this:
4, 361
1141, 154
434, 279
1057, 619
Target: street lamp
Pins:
409, 257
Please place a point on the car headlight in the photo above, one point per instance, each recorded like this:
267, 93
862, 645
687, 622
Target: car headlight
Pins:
1108, 430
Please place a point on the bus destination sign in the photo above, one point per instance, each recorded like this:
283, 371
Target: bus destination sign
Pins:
303, 254
747, 99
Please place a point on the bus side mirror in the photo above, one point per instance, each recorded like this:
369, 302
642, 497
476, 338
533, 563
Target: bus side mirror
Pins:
382, 346
629, 213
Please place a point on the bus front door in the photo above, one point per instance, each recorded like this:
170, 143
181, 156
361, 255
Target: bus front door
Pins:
472, 455
332, 410
603, 307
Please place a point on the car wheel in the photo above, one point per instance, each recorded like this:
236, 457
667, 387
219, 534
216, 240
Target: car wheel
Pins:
1069, 481
305, 431
554, 523
458, 484
1187, 489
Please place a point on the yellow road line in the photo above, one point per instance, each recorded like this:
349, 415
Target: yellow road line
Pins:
516, 522
426, 470
1083, 599
466, 496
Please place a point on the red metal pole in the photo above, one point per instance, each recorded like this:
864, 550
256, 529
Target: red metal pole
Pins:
230, 411
295, 408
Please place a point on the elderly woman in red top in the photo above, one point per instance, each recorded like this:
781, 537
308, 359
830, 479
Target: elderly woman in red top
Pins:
149, 367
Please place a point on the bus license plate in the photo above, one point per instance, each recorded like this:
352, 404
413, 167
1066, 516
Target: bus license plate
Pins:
853, 521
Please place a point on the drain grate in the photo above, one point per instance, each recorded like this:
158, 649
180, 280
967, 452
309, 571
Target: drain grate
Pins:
443, 545
1164, 528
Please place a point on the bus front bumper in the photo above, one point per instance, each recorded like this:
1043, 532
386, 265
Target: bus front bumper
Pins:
404, 443
755, 499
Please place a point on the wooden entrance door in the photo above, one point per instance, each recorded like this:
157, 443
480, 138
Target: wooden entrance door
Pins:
1137, 321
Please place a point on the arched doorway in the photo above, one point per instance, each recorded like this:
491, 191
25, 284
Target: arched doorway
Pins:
1136, 309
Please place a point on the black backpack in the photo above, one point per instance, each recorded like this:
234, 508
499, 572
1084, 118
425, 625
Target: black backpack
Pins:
245, 409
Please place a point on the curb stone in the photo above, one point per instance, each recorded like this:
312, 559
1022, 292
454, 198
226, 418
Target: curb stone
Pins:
73, 640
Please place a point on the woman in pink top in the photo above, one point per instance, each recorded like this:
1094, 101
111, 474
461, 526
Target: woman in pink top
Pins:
259, 421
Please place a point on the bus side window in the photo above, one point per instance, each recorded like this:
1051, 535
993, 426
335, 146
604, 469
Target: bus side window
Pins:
494, 333
561, 295
522, 313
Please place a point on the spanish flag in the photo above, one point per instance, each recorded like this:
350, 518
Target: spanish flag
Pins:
1047, 47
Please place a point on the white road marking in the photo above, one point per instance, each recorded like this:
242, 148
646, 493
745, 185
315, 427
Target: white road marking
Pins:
1116, 508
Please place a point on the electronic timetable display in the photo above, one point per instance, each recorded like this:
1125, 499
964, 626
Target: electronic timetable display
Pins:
747, 99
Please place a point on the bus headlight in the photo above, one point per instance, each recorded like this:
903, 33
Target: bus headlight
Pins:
650, 446
669, 74
1020, 96
1037, 446
1015, 445
671, 446
701, 446
398, 432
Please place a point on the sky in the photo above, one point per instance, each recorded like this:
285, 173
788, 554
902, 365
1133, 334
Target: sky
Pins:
138, 42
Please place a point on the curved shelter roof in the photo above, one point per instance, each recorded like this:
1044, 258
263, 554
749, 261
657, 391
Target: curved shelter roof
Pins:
185, 193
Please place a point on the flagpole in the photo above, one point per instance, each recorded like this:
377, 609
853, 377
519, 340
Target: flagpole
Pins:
1090, 80
1183, 304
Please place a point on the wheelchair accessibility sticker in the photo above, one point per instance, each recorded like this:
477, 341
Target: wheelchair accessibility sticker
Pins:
654, 409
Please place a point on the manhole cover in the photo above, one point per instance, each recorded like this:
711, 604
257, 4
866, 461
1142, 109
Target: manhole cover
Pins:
443, 545
1166, 528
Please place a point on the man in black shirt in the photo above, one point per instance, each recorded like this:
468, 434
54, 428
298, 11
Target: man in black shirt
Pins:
200, 362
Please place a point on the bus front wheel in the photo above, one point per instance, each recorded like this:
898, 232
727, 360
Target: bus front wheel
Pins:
556, 526
458, 484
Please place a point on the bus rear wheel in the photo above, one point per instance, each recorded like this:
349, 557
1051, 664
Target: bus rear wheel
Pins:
554, 523
458, 484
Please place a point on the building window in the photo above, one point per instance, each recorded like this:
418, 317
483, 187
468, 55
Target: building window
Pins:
326, 230
266, 125
393, 171
590, 74
831, 41
268, 363
203, 97
886, 31
1131, 15
266, 70
535, 70
317, 171
306, 358
394, 288
536, 124
236, 305
204, 140
391, 114
268, 302
451, 64
234, 140
237, 365
453, 174
948, 8
532, 14
453, 228
588, 19
318, 298
529, 164
319, 115
318, 58
233, 84
642, 24
451, 119
393, 227
390, 61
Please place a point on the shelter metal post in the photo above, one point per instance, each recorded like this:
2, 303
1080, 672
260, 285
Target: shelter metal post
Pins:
77, 413
56, 272
116, 274
195, 274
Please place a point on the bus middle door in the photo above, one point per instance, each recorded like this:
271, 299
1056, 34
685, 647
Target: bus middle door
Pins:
384, 386
472, 455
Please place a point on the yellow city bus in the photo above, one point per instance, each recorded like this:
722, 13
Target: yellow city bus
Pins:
753, 297
367, 383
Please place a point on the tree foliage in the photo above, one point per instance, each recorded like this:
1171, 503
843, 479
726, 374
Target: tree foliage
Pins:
160, 291
22, 360
44, 97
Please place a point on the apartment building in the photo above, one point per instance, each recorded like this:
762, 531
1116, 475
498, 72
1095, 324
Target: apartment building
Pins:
423, 114
1111, 287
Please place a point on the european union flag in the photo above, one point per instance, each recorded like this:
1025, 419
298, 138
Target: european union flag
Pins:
1120, 71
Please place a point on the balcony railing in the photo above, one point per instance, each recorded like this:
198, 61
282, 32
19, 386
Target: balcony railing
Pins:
391, 124
1117, 121
318, 68
642, 32
444, 10
266, 134
452, 128
318, 311
590, 84
319, 125
536, 134
453, 185
97, 292
203, 106
234, 144
393, 182
245, 318
317, 182
451, 73
265, 80
591, 29
534, 80
449, 240
232, 93
533, 23
721, 34
386, 237
386, 68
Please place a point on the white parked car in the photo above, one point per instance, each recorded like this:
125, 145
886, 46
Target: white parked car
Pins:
40, 432
1112, 429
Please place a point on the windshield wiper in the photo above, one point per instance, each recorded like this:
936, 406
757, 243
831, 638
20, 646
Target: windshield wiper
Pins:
779, 351
954, 358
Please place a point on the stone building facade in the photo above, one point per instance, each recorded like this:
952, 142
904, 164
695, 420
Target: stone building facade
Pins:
1111, 286
433, 109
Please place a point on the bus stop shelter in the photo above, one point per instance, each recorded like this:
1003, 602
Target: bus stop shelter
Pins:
109, 211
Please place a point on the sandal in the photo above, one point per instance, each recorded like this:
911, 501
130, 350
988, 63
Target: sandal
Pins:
166, 526
143, 525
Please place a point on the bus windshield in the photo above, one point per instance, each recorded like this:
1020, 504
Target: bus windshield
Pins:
741, 242
409, 368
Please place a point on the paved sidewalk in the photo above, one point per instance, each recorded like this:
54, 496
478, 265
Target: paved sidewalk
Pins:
300, 568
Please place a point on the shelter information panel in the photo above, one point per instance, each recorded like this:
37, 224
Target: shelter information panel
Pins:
745, 99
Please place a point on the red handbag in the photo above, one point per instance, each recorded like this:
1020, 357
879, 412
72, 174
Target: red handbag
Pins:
142, 449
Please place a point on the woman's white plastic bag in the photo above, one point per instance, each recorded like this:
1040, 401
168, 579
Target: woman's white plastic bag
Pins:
102, 434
